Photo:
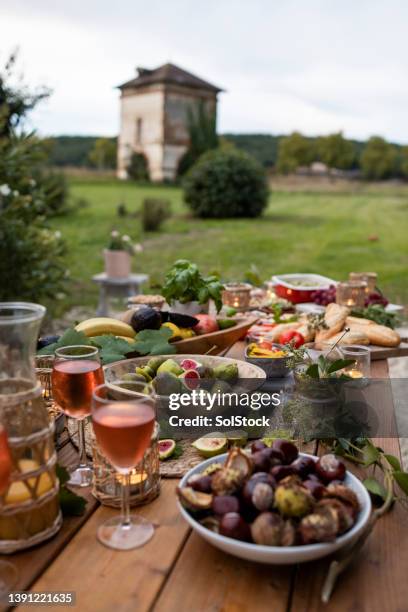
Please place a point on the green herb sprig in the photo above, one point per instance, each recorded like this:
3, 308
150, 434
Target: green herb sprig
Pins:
185, 283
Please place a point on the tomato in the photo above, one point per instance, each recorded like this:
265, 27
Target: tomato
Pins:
265, 345
291, 337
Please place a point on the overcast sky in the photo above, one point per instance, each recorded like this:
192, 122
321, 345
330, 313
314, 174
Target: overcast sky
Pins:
312, 65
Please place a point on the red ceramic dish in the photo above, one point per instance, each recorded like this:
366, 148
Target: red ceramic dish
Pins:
298, 288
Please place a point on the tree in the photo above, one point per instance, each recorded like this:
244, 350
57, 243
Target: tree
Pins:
202, 130
335, 151
404, 161
294, 151
31, 263
226, 183
378, 160
103, 154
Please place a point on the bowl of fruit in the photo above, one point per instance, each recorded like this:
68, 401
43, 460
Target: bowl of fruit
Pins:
271, 357
273, 504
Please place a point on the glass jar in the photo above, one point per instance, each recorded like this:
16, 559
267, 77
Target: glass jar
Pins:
29, 507
144, 478
351, 294
368, 277
237, 295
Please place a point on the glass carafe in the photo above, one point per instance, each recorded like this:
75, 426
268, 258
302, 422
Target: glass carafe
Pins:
29, 508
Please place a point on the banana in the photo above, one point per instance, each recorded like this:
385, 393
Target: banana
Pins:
98, 326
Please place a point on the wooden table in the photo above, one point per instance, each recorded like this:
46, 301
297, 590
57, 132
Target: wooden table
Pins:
178, 571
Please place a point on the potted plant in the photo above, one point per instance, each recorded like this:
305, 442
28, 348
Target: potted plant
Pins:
117, 255
188, 292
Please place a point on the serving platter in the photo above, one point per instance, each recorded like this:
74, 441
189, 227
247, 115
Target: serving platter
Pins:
216, 341
280, 555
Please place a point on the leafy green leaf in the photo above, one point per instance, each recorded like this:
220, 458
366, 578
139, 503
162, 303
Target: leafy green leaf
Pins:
69, 338
394, 462
71, 504
371, 454
62, 474
376, 488
112, 348
402, 480
154, 342
313, 371
339, 364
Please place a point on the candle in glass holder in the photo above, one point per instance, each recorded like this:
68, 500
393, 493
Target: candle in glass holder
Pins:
237, 295
368, 277
361, 358
351, 294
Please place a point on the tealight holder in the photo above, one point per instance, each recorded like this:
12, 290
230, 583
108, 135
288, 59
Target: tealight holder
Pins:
43, 370
144, 478
360, 368
237, 295
367, 277
351, 294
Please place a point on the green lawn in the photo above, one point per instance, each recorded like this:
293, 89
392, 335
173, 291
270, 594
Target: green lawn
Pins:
300, 232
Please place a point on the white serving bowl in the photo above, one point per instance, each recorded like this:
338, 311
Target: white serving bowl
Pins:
280, 555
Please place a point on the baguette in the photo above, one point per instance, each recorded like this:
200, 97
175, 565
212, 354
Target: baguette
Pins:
358, 321
379, 334
335, 318
351, 337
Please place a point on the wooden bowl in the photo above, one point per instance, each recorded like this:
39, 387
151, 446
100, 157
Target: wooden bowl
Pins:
215, 342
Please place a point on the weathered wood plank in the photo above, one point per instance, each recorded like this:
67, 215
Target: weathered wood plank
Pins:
107, 580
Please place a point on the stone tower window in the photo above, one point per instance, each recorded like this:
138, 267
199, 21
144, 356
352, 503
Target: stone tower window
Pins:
139, 126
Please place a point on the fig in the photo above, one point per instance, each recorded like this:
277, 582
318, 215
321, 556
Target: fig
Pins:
212, 523
229, 372
189, 364
288, 450
155, 362
345, 495
288, 534
293, 500
237, 437
222, 504
212, 468
238, 460
190, 379
303, 466
262, 496
258, 445
166, 383
329, 467
166, 449
170, 366
315, 487
267, 529
281, 471
344, 513
226, 481
320, 526
194, 500
211, 444
232, 525
200, 482
275, 456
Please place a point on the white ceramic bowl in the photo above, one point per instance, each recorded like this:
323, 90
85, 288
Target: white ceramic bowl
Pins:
280, 555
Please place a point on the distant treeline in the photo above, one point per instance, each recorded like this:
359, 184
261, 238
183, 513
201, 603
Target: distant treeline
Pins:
374, 159
73, 150
265, 147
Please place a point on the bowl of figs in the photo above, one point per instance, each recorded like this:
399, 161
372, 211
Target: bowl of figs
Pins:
273, 504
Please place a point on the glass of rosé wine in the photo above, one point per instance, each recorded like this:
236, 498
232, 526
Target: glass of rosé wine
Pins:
77, 371
123, 418
8, 573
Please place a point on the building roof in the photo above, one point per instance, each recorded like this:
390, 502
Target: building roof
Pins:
168, 73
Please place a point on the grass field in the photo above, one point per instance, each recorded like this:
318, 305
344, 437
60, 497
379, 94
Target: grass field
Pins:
301, 231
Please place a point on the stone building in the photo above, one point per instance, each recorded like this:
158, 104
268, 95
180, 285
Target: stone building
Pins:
154, 117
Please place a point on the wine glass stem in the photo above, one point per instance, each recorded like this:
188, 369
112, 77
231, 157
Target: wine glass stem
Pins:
81, 443
126, 500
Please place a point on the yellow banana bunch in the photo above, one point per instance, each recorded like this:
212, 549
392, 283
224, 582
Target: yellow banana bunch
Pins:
99, 326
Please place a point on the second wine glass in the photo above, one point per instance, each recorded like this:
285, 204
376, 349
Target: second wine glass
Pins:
123, 422
76, 373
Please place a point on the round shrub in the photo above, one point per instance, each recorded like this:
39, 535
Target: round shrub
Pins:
226, 183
